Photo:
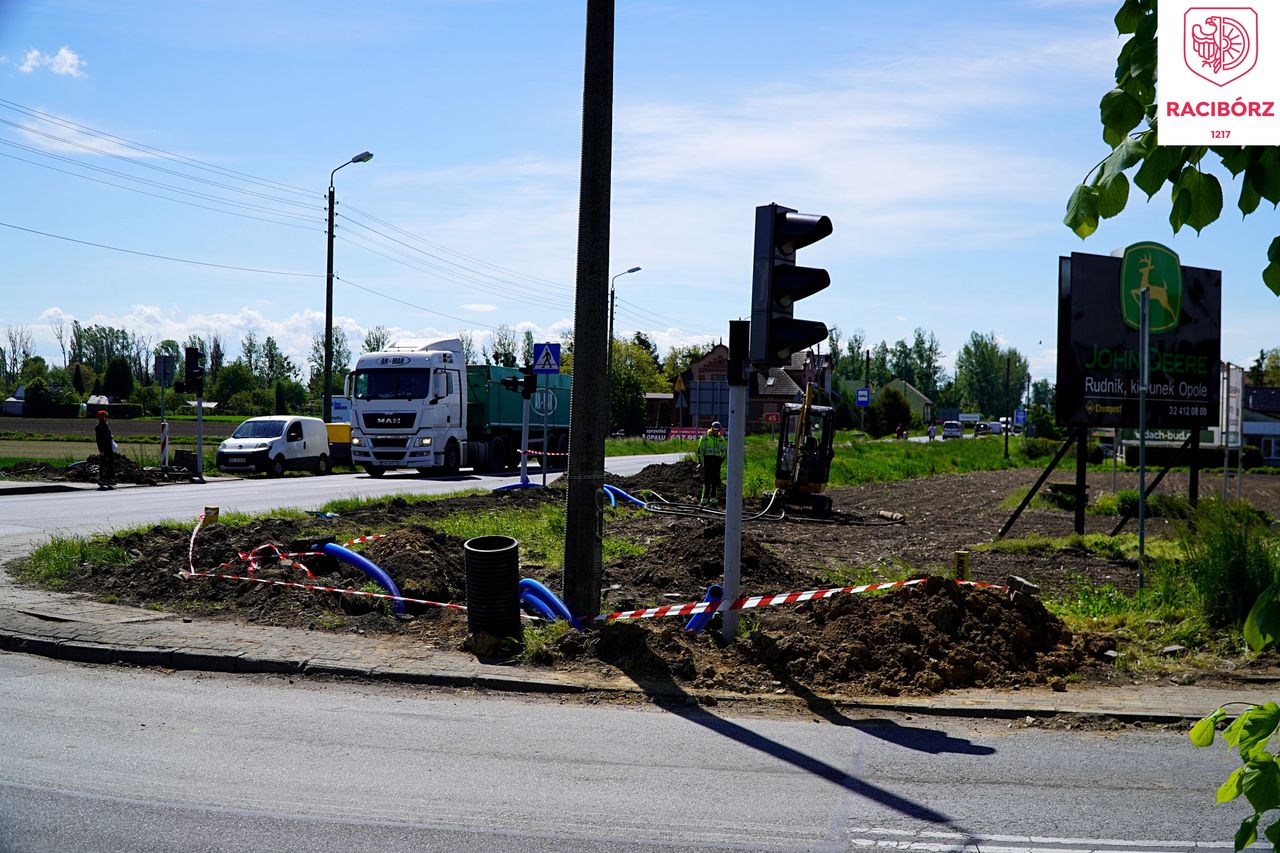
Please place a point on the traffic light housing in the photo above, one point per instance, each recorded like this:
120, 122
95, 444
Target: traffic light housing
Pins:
529, 382
777, 284
511, 383
193, 372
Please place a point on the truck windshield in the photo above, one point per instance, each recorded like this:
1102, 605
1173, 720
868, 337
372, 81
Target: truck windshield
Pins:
259, 429
394, 383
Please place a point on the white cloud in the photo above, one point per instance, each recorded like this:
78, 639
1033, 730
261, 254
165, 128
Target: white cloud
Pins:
65, 63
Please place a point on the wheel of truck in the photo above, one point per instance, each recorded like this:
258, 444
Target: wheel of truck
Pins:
322, 465
374, 471
452, 458
275, 468
497, 455
562, 447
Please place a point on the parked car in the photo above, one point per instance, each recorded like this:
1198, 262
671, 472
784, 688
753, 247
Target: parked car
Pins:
981, 428
995, 427
276, 444
952, 429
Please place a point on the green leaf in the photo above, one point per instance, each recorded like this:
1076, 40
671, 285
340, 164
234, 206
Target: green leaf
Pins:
1264, 174
1230, 789
1202, 732
1180, 209
1248, 831
1129, 16
1271, 277
1259, 725
1161, 163
1273, 834
1248, 203
1206, 199
1231, 734
1262, 625
1121, 112
1141, 88
1260, 784
1082, 211
1127, 154
1113, 194
1235, 159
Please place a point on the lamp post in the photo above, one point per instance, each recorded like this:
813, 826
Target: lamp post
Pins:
327, 413
613, 298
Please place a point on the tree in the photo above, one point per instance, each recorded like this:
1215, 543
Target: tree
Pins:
634, 373
1129, 117
33, 367
926, 354
889, 409
341, 362
251, 351
1265, 371
981, 370
233, 379
277, 366
281, 408
679, 359
504, 346
118, 380
1042, 394
526, 350
468, 347
20, 345
376, 339
217, 355
77, 380
62, 335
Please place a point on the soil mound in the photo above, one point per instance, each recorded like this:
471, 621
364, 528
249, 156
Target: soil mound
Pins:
679, 481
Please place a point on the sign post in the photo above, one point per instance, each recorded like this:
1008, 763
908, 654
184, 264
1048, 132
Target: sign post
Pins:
163, 368
546, 360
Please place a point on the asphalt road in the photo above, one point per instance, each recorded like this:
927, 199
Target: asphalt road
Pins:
103, 758
27, 519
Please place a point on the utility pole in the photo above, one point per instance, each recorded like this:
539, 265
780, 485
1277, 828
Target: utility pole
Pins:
588, 420
1008, 416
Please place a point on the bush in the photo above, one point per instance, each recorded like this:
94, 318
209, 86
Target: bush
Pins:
1158, 505
1231, 558
1039, 448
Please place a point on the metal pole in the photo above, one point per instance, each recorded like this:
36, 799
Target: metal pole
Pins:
327, 409
1115, 455
524, 445
1222, 423
1144, 338
545, 384
1008, 418
588, 420
164, 427
733, 506
200, 438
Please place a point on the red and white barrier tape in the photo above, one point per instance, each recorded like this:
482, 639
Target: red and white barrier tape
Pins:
542, 453
751, 601
317, 588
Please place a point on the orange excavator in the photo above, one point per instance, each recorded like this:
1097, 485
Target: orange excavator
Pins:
805, 453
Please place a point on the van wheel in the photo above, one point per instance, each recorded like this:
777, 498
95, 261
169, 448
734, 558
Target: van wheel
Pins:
322, 465
374, 471
276, 467
452, 461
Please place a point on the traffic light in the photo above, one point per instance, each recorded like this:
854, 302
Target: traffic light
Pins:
193, 373
530, 381
511, 383
777, 284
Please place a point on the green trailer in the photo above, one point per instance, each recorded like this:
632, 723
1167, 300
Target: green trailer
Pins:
495, 412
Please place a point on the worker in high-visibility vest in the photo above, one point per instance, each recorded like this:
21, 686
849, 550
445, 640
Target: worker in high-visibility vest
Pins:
712, 451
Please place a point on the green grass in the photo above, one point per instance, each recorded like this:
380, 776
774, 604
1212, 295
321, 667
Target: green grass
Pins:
1121, 547
52, 565
540, 638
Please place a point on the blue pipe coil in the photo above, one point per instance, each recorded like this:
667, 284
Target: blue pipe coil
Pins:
531, 587
715, 592
369, 568
613, 501
535, 603
619, 492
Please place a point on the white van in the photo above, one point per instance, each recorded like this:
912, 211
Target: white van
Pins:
276, 444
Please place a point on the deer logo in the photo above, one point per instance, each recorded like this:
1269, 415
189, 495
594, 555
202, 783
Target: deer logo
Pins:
1156, 269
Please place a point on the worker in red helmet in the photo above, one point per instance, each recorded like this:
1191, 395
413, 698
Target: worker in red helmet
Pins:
106, 451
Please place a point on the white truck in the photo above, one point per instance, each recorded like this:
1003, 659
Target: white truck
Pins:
423, 407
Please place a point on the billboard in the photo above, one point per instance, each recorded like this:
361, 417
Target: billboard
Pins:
1099, 362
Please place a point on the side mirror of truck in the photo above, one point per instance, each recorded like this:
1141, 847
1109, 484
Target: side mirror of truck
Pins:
439, 385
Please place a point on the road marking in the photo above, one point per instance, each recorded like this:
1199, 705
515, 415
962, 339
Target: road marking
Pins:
933, 841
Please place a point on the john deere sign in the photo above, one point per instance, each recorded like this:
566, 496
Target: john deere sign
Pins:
1099, 318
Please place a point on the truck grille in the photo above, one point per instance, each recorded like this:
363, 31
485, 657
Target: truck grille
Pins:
388, 455
388, 420
387, 442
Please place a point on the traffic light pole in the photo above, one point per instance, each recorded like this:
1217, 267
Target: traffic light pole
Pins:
739, 336
524, 444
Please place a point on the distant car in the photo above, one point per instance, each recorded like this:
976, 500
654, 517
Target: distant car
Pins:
995, 427
981, 428
952, 429
275, 444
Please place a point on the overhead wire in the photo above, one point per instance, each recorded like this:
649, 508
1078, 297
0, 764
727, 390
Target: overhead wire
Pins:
469, 323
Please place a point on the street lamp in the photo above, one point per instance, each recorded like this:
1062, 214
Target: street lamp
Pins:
327, 413
613, 297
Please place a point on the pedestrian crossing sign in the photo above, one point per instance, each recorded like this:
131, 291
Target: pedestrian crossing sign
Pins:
546, 358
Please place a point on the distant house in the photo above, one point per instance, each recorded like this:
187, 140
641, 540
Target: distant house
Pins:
1262, 422
921, 406
701, 393
13, 405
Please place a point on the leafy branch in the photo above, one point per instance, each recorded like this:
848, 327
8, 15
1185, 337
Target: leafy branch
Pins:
1197, 196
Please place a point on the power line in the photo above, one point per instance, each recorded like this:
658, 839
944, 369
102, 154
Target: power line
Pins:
138, 146
162, 257
412, 305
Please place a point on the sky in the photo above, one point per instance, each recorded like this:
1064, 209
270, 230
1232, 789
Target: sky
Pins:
164, 167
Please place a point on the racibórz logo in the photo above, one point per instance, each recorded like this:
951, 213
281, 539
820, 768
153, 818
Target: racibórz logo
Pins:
1220, 44
1158, 269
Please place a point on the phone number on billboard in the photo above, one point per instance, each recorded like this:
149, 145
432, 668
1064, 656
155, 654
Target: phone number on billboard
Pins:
1189, 411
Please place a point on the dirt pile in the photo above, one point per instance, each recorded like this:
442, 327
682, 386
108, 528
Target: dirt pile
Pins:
126, 471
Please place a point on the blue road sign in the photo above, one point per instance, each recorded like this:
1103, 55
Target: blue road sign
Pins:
546, 358
1020, 417
863, 397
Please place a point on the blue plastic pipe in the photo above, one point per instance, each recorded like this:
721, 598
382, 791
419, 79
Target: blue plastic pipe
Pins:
715, 592
367, 566
544, 610
529, 586
613, 501
620, 493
